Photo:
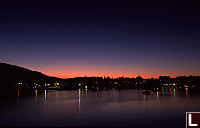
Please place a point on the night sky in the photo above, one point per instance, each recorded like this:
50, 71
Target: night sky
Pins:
101, 38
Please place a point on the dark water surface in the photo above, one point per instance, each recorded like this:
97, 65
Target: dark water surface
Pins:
105, 108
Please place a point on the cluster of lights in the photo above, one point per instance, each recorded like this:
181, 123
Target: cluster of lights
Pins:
115, 83
47, 84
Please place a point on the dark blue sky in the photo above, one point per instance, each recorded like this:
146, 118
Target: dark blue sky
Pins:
111, 38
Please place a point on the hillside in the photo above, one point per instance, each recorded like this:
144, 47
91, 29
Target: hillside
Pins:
11, 74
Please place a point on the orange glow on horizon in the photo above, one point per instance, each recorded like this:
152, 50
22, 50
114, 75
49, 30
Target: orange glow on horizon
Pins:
112, 75
111, 71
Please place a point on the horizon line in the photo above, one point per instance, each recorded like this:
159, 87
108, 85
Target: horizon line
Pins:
130, 77
144, 77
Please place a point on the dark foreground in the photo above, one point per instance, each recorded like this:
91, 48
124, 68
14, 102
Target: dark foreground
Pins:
105, 108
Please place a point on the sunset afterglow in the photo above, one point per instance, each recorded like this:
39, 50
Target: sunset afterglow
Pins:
75, 41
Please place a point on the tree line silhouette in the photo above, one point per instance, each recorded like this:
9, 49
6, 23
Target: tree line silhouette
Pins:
17, 77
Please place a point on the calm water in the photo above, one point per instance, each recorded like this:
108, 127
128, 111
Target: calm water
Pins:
106, 108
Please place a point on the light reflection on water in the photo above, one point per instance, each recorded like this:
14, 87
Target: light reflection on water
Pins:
104, 108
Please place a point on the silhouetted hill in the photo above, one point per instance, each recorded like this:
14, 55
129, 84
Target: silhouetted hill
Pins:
10, 75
